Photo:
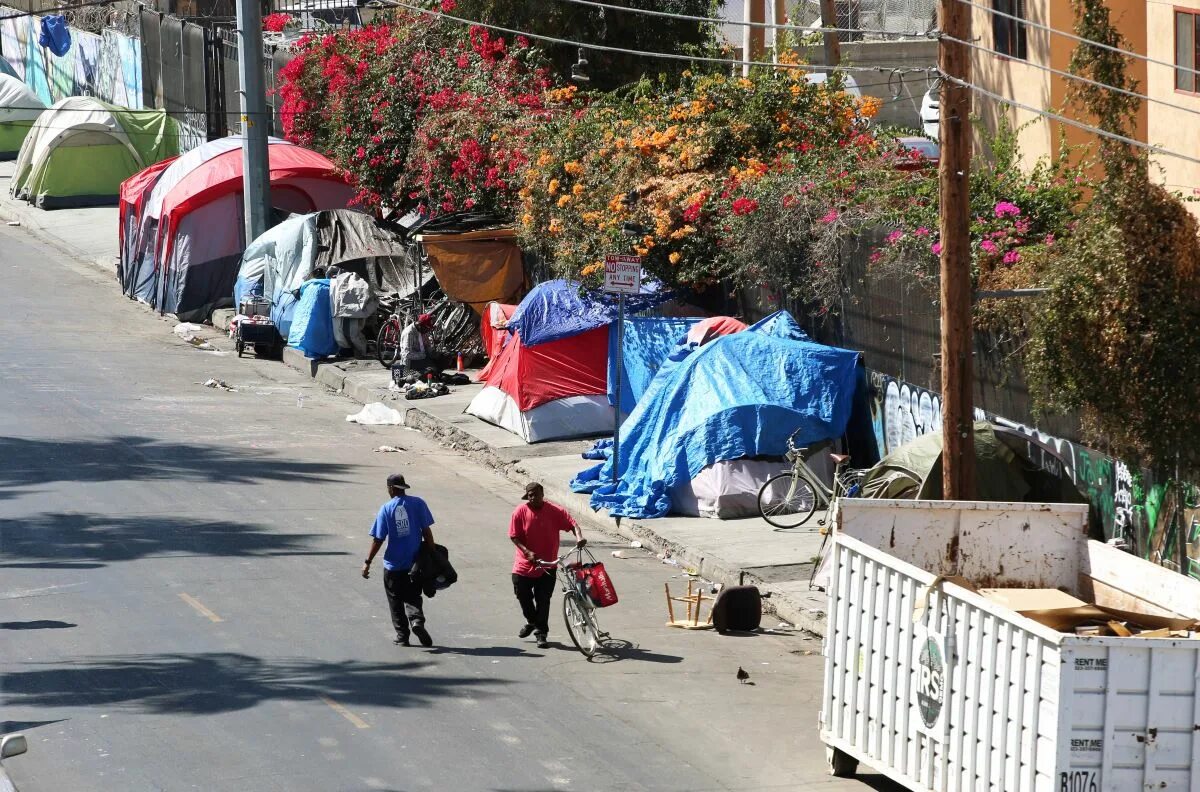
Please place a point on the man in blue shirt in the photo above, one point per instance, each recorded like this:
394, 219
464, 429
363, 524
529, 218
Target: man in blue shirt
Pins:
403, 522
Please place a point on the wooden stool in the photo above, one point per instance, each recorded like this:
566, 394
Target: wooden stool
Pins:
693, 600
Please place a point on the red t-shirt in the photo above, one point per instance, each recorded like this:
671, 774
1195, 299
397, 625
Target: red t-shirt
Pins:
538, 530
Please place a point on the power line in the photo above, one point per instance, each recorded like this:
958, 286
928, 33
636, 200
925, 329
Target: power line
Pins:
54, 11
1072, 122
742, 23
665, 55
1077, 77
1074, 37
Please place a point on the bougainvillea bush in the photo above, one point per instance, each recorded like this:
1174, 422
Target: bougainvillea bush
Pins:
672, 160
419, 113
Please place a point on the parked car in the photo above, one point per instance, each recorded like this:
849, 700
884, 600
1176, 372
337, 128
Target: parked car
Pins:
11, 745
931, 112
925, 153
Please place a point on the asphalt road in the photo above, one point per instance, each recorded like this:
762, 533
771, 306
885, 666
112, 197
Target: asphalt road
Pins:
180, 605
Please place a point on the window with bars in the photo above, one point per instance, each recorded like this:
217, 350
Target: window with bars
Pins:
1008, 33
1187, 28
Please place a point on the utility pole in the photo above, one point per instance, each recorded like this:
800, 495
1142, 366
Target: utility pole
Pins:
256, 170
833, 47
958, 435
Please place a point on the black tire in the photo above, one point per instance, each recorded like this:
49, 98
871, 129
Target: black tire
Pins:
580, 624
785, 503
241, 347
387, 344
841, 764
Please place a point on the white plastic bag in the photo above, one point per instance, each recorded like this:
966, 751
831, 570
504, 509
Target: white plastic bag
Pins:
377, 414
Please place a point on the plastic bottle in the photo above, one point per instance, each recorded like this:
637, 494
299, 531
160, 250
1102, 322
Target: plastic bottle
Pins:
460, 361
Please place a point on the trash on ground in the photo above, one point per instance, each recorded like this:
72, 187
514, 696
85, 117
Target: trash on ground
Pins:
694, 600
617, 554
187, 330
388, 449
219, 384
377, 414
635, 543
13, 223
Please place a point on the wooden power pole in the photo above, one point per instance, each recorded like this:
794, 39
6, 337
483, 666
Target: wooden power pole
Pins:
958, 436
833, 48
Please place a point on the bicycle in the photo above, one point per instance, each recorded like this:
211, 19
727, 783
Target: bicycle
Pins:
788, 500
387, 341
578, 611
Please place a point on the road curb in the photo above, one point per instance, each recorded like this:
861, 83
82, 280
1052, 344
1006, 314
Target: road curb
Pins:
781, 602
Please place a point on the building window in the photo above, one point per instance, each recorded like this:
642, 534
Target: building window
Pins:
1186, 28
1008, 34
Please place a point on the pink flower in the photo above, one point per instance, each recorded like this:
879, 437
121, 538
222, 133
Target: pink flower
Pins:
360, 153
1049, 239
463, 61
1022, 226
1006, 209
875, 257
1012, 257
894, 237
988, 246
936, 248
922, 231
830, 216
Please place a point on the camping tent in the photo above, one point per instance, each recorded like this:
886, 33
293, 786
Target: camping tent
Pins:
277, 262
738, 397
191, 232
494, 328
80, 150
130, 200
647, 342
19, 108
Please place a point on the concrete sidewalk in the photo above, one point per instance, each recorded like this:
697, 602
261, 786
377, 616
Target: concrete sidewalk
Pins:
779, 562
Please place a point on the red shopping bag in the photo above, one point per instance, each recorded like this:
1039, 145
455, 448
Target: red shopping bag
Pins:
595, 582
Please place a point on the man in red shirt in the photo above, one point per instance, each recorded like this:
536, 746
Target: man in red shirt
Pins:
534, 529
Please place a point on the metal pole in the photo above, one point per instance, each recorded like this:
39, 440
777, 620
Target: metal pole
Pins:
617, 414
255, 163
958, 432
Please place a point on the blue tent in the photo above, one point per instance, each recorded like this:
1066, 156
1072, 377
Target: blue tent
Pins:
738, 396
647, 342
557, 309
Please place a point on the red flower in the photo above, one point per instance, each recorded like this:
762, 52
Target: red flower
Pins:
744, 206
448, 6
275, 23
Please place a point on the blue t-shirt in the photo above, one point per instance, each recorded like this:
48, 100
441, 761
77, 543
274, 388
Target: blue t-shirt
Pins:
401, 521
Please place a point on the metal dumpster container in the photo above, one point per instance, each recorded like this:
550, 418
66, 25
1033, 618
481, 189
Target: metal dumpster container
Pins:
940, 688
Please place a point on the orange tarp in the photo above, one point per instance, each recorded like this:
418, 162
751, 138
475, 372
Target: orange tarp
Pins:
477, 267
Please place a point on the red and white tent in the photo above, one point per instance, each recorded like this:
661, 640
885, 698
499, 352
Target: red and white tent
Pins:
190, 234
550, 391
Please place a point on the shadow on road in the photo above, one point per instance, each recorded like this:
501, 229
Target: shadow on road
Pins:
106, 539
209, 683
616, 649
25, 462
483, 651
10, 727
39, 624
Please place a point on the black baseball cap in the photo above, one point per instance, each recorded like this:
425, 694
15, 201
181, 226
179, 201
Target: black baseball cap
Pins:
531, 488
397, 481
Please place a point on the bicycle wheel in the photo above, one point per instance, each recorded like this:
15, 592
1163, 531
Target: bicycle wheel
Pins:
581, 624
786, 501
387, 343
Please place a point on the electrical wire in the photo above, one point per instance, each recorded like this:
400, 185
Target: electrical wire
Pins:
52, 11
1080, 39
742, 23
1062, 119
665, 55
1076, 77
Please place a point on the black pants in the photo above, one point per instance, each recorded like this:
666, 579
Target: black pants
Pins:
404, 599
534, 595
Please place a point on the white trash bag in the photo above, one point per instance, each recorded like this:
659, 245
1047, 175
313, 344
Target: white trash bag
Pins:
377, 414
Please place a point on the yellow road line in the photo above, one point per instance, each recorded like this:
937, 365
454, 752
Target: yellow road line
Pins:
345, 713
200, 607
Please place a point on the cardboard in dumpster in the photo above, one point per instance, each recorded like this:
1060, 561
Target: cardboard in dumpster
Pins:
1031, 599
1070, 619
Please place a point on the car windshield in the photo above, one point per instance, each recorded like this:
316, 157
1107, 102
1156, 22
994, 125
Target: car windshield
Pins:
926, 148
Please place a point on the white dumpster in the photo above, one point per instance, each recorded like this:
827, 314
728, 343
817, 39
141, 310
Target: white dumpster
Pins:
941, 688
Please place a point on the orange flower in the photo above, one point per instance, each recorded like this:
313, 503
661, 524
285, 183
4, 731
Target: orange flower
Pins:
577, 189
527, 219
592, 268
674, 258
566, 199
555, 225
552, 188
573, 168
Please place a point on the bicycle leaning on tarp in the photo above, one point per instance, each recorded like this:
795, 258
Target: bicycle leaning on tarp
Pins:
788, 500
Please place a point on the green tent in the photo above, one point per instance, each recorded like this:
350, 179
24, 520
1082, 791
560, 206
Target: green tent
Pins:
19, 108
1003, 471
81, 149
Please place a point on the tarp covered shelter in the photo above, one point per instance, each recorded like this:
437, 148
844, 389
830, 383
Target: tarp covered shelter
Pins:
275, 264
191, 231
558, 308
80, 149
551, 390
476, 267
311, 330
737, 397
19, 109
1003, 470
646, 342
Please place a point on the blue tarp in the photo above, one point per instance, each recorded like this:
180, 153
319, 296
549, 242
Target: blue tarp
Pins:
648, 341
555, 309
56, 34
312, 325
739, 395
